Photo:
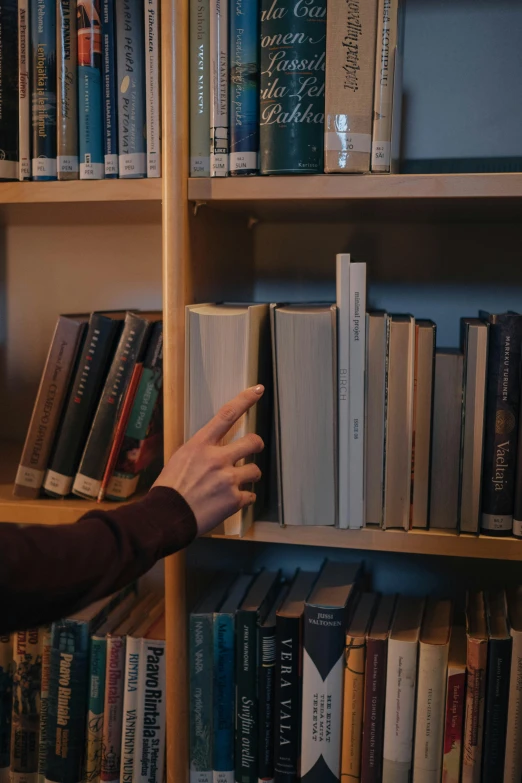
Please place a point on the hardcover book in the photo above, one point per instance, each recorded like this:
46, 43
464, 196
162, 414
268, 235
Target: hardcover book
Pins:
67, 85
67, 338
342, 284
455, 703
377, 346
109, 89
356, 387
513, 759
326, 614
152, 87
387, 91
293, 41
130, 48
25, 721
219, 119
24, 94
350, 76
422, 419
42, 15
9, 90
476, 663
199, 52
244, 87
92, 163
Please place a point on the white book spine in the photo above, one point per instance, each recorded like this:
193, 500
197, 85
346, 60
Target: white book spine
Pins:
130, 708
401, 679
218, 88
152, 88
150, 747
343, 365
24, 107
513, 759
429, 721
357, 368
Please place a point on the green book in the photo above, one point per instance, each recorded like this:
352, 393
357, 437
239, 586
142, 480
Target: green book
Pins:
199, 88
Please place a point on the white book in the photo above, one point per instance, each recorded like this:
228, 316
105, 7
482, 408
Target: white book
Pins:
152, 87
24, 105
218, 88
343, 363
150, 741
357, 358
401, 681
431, 692
513, 758
377, 342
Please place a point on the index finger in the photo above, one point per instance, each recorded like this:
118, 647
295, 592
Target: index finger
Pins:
226, 417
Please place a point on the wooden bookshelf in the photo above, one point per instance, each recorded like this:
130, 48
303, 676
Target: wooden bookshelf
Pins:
80, 192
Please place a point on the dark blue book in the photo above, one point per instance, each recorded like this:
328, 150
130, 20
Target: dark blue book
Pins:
43, 88
9, 150
92, 164
130, 49
109, 90
244, 87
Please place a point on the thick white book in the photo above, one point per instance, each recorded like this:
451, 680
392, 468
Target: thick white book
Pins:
219, 88
357, 357
24, 98
343, 363
431, 692
152, 87
150, 742
377, 342
401, 682
513, 758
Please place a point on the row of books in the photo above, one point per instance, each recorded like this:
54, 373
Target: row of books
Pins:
320, 681
80, 94
97, 423
294, 86
374, 425
84, 699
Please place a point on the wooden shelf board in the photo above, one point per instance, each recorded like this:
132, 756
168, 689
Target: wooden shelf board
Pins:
421, 542
108, 190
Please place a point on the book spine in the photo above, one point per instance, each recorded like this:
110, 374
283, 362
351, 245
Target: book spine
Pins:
218, 88
47, 409
343, 361
246, 698
92, 162
94, 460
244, 87
200, 88
130, 709
223, 699
501, 425
109, 91
42, 14
495, 718
357, 368
517, 509
130, 50
150, 748
9, 90
374, 709
355, 661
113, 710
377, 332
401, 684
6, 704
85, 391
292, 110
67, 108
387, 37
152, 86
513, 762
453, 735
200, 705
266, 656
350, 76
24, 104
474, 716
67, 706
95, 706
287, 707
25, 720
323, 656
44, 701
429, 719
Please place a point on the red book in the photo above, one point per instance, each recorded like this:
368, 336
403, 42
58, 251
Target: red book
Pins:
455, 697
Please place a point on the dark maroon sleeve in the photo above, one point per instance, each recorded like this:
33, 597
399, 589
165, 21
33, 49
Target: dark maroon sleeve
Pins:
50, 572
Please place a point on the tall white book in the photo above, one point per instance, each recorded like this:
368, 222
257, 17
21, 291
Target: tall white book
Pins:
151, 710
513, 758
152, 87
24, 98
431, 692
356, 393
401, 682
219, 122
343, 364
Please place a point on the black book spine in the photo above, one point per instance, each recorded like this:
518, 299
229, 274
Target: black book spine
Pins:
495, 718
501, 424
92, 466
266, 680
246, 697
517, 511
9, 89
287, 707
91, 372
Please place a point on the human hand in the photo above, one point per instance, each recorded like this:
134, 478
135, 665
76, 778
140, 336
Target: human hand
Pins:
205, 472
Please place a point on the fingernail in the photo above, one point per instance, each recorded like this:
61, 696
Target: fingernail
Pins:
259, 389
